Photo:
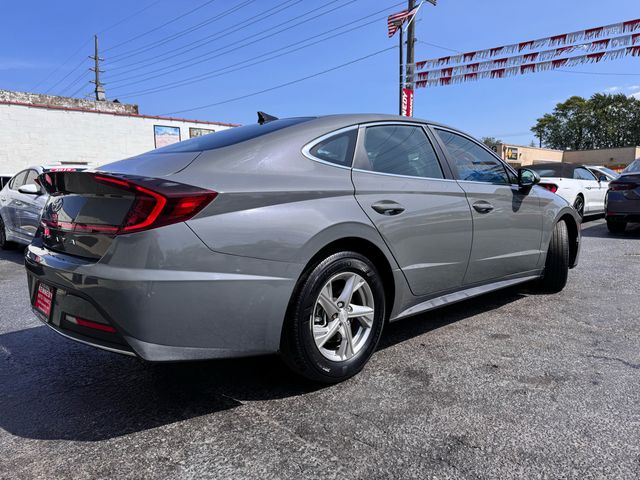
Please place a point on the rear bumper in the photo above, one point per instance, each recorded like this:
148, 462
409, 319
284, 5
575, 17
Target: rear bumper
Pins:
229, 307
623, 205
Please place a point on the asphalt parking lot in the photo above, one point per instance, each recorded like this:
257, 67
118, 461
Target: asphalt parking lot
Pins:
510, 385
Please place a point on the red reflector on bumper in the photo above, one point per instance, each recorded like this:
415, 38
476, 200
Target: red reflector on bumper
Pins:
81, 322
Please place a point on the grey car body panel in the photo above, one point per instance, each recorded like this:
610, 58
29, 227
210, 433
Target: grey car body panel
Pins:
624, 204
219, 285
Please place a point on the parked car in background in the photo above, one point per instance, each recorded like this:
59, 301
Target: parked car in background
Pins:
599, 170
301, 236
21, 203
4, 179
576, 184
623, 199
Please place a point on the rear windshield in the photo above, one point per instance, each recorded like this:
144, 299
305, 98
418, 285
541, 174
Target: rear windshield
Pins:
231, 136
558, 170
633, 167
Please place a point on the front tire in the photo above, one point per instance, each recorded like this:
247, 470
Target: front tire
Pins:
616, 226
4, 243
335, 318
556, 269
578, 205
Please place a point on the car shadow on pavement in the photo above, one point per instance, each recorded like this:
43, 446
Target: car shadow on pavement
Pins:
15, 255
600, 230
55, 389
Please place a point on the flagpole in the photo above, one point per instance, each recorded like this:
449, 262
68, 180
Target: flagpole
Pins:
401, 36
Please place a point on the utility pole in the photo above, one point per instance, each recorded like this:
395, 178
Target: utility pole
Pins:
99, 90
401, 72
411, 40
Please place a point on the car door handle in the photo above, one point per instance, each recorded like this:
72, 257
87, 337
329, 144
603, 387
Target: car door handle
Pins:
483, 207
388, 207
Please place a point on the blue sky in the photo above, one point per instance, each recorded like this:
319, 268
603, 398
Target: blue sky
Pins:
34, 54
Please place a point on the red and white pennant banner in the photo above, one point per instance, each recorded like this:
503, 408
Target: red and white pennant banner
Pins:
554, 41
528, 58
531, 67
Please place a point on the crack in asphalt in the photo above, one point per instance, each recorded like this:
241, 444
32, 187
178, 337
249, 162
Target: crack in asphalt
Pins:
635, 366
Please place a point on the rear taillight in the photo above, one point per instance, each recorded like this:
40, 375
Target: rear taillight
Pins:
620, 185
552, 187
155, 203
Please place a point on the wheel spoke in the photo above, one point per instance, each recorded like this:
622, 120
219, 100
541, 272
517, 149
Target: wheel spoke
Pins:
345, 351
351, 285
324, 334
363, 313
326, 301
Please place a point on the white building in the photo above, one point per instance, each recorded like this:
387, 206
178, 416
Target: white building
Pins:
40, 129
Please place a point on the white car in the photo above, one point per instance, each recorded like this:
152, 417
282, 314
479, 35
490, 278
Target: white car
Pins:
576, 184
599, 170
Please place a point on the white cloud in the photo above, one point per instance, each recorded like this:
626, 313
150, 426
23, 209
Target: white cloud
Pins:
635, 95
612, 89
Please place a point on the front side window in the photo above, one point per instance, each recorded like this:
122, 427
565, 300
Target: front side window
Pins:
583, 174
472, 162
401, 150
336, 149
31, 177
18, 180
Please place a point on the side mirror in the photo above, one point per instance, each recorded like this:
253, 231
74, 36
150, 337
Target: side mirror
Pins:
30, 189
603, 178
527, 178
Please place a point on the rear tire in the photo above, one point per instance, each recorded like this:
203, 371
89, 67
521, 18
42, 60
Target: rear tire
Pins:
616, 226
307, 345
578, 205
4, 243
556, 269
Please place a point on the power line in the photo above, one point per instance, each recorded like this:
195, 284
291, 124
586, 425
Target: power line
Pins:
282, 85
439, 46
66, 76
234, 48
160, 26
68, 59
153, 45
251, 61
75, 81
217, 36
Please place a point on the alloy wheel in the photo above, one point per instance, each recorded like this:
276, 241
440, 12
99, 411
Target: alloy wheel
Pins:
579, 205
343, 316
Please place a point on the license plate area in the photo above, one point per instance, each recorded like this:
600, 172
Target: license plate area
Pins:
43, 299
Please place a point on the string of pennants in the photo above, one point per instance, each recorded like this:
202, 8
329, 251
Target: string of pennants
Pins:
528, 58
467, 67
531, 67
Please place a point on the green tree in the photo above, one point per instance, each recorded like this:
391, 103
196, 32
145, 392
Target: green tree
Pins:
603, 121
491, 142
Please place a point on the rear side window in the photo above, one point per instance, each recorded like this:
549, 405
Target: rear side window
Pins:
583, 174
634, 167
336, 149
401, 150
18, 180
472, 162
231, 136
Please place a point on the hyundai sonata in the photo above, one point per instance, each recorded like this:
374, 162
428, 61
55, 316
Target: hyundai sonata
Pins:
302, 236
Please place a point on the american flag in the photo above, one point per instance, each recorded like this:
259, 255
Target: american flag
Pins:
395, 20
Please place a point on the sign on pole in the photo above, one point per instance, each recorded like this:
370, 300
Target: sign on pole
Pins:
407, 102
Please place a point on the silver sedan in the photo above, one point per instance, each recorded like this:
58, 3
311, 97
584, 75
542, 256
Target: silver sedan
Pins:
302, 236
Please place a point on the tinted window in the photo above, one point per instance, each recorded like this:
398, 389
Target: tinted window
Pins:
634, 167
231, 136
473, 162
583, 174
18, 180
337, 149
401, 150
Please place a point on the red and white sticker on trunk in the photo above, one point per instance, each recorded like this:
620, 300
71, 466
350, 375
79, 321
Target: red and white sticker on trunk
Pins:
44, 299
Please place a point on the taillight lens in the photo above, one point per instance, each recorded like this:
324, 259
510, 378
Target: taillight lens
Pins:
553, 188
155, 203
618, 185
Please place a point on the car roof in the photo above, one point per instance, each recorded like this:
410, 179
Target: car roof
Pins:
561, 169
